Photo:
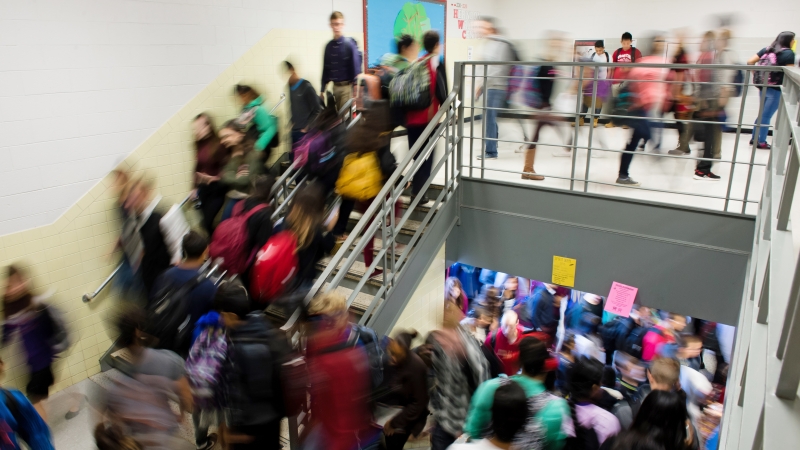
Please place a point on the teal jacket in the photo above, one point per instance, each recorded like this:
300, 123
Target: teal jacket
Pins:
264, 122
480, 411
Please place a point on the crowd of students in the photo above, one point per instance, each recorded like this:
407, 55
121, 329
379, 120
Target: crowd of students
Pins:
638, 97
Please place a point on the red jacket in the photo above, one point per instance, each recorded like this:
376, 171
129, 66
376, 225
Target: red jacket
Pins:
340, 386
424, 116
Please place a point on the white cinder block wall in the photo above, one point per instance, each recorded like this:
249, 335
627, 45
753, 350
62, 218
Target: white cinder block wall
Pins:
84, 82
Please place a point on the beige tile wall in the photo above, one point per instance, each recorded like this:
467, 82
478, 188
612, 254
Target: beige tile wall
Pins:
425, 309
74, 255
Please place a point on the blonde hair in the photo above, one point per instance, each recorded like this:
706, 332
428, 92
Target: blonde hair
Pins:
666, 371
337, 15
329, 303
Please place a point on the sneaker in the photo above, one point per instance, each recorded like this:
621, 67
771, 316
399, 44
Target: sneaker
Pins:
562, 153
580, 122
609, 125
678, 152
595, 122
707, 176
764, 146
487, 157
627, 181
751, 142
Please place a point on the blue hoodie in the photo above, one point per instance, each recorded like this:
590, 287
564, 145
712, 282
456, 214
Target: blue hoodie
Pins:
211, 319
30, 427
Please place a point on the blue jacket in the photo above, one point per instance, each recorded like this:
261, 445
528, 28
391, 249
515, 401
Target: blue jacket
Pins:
25, 423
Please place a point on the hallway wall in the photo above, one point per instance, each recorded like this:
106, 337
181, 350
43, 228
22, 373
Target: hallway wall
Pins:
424, 311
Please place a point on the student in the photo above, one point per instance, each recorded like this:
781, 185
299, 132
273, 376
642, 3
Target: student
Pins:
341, 384
590, 423
201, 298
496, 48
662, 375
505, 342
211, 158
303, 102
533, 356
603, 89
689, 350
245, 165
510, 408
662, 334
663, 421
410, 388
780, 51
407, 51
711, 99
157, 376
341, 62
20, 421
256, 119
624, 55
417, 121
454, 292
253, 390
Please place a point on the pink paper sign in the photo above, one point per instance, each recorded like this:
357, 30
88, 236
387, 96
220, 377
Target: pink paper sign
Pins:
620, 299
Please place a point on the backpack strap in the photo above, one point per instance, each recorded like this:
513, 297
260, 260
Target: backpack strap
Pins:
252, 211
607, 58
633, 54
494, 340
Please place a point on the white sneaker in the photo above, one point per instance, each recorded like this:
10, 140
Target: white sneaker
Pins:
562, 152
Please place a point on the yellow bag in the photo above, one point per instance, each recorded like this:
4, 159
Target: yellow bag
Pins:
361, 177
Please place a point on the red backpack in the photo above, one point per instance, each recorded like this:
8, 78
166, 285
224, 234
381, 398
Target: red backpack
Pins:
230, 240
275, 267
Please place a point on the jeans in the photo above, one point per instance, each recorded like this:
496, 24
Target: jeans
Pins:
424, 171
641, 130
495, 98
441, 439
770, 107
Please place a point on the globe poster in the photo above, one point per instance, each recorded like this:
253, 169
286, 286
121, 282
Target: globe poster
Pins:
387, 19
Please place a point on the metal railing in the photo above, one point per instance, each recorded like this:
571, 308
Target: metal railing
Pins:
580, 176
88, 297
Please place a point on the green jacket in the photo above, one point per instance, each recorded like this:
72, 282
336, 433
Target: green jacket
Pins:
264, 122
480, 411
243, 184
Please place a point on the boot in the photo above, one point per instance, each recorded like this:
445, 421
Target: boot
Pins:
530, 174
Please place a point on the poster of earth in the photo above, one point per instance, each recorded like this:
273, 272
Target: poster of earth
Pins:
387, 19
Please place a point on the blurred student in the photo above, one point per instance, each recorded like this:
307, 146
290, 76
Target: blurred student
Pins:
624, 55
664, 333
681, 100
407, 52
459, 367
303, 102
417, 121
603, 87
340, 382
211, 158
20, 421
495, 48
690, 348
258, 122
591, 424
200, 299
453, 292
140, 402
341, 62
253, 390
410, 388
509, 407
551, 409
245, 165
661, 423
505, 342
663, 374
779, 53
711, 99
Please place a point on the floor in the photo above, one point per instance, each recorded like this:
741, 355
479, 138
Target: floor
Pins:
656, 171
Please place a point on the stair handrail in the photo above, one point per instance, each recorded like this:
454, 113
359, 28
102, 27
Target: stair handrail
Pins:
368, 230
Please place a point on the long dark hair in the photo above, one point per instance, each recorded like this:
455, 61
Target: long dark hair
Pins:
782, 42
663, 416
586, 374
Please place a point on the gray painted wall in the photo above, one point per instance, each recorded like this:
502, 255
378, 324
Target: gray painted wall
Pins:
682, 260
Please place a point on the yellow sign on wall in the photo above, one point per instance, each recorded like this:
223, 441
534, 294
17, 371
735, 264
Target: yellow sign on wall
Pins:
564, 271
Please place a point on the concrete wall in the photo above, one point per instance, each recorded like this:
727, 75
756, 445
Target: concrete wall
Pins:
84, 82
426, 307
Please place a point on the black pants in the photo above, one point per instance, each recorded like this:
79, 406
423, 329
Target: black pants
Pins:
265, 436
424, 171
212, 197
441, 439
396, 441
712, 135
641, 130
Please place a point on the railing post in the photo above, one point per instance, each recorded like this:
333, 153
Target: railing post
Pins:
781, 133
789, 186
462, 81
753, 149
472, 120
736, 140
577, 128
591, 130
484, 126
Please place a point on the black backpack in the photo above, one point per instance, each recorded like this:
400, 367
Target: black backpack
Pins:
634, 341
584, 439
168, 317
615, 332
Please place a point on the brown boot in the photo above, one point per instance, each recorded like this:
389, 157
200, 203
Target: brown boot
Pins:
530, 174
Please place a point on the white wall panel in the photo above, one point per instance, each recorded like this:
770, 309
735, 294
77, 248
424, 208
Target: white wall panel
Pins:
83, 82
